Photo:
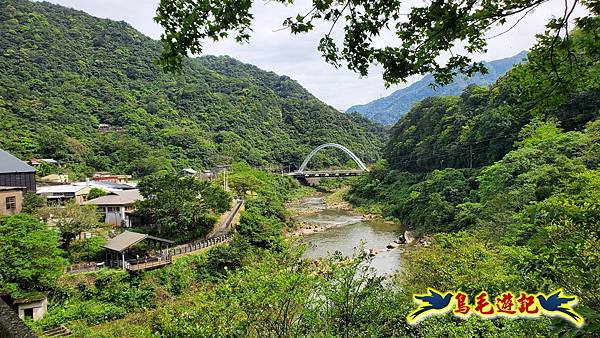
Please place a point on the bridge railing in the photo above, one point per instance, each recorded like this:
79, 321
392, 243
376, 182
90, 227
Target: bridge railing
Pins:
334, 173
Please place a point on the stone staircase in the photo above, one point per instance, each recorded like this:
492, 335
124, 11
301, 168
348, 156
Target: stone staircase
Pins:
60, 331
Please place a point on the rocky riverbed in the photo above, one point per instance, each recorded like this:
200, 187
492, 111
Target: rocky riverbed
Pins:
327, 229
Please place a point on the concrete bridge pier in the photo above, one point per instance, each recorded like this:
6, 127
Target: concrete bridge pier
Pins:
309, 181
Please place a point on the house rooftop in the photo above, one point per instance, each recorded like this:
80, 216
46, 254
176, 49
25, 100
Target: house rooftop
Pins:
110, 186
29, 297
46, 160
124, 197
11, 164
127, 239
3, 188
60, 189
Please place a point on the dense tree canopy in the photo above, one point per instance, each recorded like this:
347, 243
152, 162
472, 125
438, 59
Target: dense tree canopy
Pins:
65, 73
481, 125
71, 219
506, 179
424, 32
180, 208
31, 258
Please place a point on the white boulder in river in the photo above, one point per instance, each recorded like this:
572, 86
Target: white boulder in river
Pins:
409, 236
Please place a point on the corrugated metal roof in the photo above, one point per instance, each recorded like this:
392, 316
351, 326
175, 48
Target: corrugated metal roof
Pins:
107, 186
124, 197
60, 189
11, 164
128, 238
124, 241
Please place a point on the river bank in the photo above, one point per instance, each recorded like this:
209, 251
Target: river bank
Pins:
325, 225
317, 203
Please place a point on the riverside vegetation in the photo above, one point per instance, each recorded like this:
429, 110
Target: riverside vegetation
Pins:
506, 178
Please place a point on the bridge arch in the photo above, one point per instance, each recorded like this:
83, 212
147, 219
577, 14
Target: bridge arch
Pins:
355, 158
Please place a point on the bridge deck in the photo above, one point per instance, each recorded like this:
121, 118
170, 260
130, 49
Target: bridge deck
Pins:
330, 173
147, 265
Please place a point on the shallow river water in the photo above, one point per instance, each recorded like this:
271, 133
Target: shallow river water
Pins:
348, 234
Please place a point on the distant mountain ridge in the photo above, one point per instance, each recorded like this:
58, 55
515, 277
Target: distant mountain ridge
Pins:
389, 109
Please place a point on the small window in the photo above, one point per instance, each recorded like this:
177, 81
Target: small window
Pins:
11, 203
28, 313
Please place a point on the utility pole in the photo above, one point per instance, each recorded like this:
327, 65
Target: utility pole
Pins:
470, 156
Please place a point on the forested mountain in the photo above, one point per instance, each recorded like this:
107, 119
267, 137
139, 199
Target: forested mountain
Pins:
65, 72
389, 109
505, 179
482, 125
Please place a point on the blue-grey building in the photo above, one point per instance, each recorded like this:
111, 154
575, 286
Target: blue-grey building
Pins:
16, 173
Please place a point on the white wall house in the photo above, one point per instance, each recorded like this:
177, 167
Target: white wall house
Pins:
117, 207
65, 192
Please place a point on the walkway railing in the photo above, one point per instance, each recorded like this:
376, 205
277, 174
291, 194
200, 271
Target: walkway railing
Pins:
198, 245
166, 254
147, 263
226, 225
84, 267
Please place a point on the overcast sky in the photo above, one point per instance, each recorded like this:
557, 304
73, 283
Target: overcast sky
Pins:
296, 56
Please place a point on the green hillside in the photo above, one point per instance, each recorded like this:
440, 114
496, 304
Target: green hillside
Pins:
531, 130
65, 72
504, 181
482, 124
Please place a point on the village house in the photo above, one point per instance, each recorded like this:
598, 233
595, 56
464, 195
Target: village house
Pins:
188, 172
37, 162
105, 127
11, 199
107, 186
65, 192
32, 305
16, 173
108, 177
117, 207
55, 178
204, 175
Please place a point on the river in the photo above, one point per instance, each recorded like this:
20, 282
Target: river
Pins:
346, 232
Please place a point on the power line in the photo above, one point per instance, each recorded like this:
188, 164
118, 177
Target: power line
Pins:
410, 158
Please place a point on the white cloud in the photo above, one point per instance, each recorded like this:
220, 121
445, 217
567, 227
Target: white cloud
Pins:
296, 56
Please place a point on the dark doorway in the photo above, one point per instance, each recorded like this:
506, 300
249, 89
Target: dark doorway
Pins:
28, 313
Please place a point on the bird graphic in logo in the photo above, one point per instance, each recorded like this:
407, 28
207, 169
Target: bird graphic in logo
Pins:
433, 302
559, 305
